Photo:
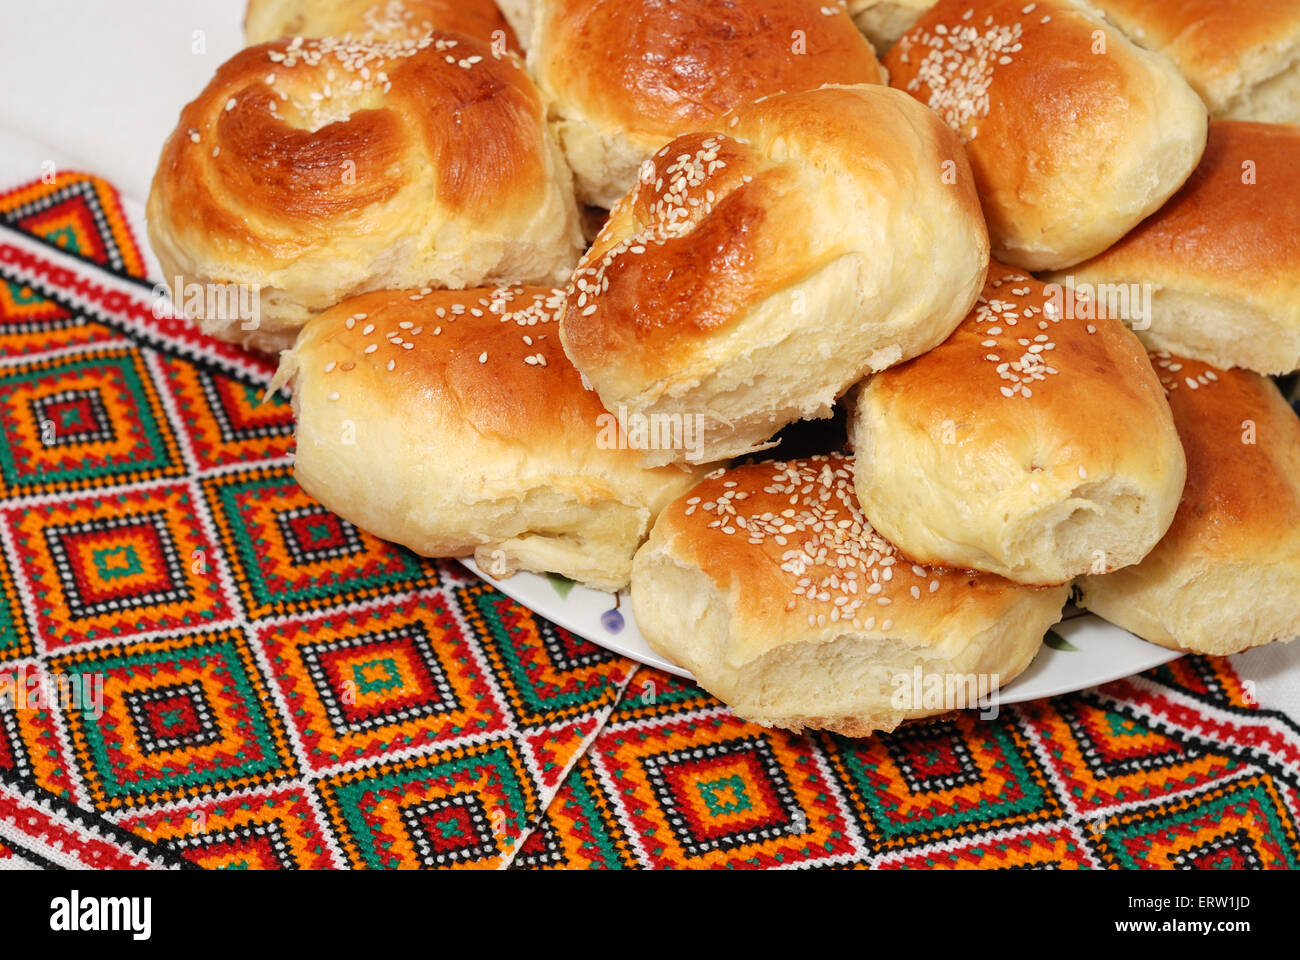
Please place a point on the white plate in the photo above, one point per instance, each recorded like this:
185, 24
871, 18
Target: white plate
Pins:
1081, 651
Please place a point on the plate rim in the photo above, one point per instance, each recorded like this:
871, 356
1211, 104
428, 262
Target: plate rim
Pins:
1006, 693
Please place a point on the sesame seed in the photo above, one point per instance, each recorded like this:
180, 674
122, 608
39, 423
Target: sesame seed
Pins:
957, 68
829, 550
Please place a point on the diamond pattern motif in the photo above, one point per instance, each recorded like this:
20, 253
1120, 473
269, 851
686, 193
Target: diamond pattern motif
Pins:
179, 717
381, 679
293, 555
83, 421
117, 564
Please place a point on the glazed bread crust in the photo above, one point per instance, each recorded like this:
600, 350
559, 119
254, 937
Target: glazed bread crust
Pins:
1226, 577
623, 77
767, 582
1028, 444
376, 20
451, 422
1074, 133
320, 169
1223, 255
712, 293
1242, 58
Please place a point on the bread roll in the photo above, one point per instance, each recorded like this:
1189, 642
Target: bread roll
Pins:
884, 21
769, 585
624, 78
1226, 577
451, 422
1075, 134
1221, 260
1242, 58
1032, 443
316, 170
756, 273
376, 20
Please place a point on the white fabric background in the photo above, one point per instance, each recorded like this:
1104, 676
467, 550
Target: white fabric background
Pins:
101, 82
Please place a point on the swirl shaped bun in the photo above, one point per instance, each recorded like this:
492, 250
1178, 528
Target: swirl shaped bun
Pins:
451, 422
376, 20
754, 275
623, 78
320, 169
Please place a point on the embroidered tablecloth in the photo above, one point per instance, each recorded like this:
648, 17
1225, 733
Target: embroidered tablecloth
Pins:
279, 689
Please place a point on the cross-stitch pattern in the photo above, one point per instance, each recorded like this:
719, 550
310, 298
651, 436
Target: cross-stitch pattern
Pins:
282, 690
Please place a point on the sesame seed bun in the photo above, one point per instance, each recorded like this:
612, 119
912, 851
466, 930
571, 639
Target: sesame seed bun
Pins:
770, 586
754, 274
375, 20
451, 422
1242, 58
1223, 255
319, 169
1226, 577
1072, 143
623, 78
1030, 444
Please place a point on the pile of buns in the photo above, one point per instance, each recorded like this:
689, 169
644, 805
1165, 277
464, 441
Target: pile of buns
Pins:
549, 278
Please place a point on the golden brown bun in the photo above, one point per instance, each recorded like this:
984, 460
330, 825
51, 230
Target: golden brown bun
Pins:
452, 423
753, 275
1071, 148
1226, 577
769, 585
1223, 256
1030, 443
320, 169
376, 20
884, 21
624, 77
1242, 58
